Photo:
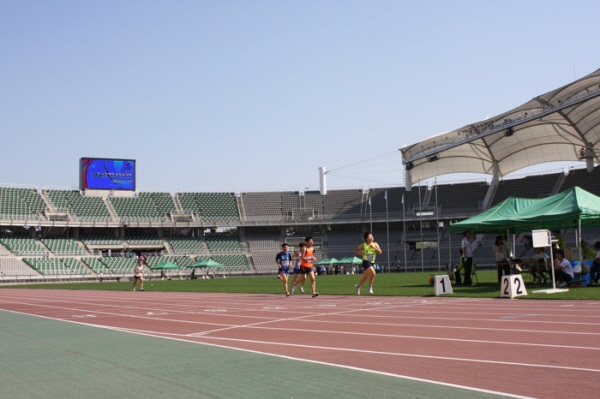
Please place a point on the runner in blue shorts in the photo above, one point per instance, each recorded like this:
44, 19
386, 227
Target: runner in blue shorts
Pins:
284, 260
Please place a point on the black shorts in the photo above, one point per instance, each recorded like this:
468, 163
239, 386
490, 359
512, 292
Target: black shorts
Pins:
137, 277
306, 270
366, 264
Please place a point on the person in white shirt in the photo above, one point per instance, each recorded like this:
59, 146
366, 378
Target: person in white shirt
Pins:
501, 253
467, 257
562, 269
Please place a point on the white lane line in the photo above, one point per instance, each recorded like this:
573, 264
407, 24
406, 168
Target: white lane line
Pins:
387, 353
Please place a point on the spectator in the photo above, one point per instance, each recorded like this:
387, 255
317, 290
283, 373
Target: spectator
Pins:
595, 269
539, 265
501, 253
562, 269
587, 252
467, 258
559, 238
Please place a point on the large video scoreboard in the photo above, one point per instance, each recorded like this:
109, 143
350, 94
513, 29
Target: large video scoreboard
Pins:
106, 174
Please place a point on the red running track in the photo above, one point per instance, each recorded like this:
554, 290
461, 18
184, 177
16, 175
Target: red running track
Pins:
521, 347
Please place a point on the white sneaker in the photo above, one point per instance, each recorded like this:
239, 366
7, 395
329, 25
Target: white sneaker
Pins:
292, 290
134, 289
371, 290
302, 290
357, 288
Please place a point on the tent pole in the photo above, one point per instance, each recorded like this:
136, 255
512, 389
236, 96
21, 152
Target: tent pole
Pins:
552, 264
449, 247
580, 240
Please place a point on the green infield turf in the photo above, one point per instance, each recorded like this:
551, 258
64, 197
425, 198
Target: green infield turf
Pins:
386, 284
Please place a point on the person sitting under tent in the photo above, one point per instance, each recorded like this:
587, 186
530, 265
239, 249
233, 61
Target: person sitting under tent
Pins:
562, 269
595, 269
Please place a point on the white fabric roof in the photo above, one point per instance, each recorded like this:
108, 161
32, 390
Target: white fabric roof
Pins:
560, 125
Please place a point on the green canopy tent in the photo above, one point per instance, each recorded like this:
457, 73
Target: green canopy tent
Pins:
572, 208
350, 260
165, 266
207, 263
326, 261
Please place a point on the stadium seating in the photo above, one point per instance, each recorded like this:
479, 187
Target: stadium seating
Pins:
12, 267
223, 242
20, 203
137, 209
582, 178
57, 266
63, 246
96, 265
251, 227
539, 186
23, 245
211, 206
187, 245
265, 206
119, 265
83, 208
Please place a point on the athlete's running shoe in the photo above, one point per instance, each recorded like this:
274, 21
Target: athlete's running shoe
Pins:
293, 289
315, 294
357, 288
371, 290
302, 289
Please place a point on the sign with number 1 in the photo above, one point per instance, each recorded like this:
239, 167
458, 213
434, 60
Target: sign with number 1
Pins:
442, 285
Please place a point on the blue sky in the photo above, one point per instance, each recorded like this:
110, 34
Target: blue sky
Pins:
257, 95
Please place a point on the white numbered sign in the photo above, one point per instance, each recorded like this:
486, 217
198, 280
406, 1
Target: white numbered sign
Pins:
512, 286
442, 285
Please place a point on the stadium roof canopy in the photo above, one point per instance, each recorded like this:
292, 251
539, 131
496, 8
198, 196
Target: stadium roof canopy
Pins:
561, 125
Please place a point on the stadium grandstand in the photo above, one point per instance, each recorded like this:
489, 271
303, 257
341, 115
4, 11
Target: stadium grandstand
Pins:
49, 235
244, 231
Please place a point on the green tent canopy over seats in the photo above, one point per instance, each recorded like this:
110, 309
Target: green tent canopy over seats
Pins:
349, 261
326, 261
207, 263
165, 266
572, 208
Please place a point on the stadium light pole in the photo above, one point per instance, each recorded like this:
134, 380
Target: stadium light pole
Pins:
404, 234
370, 214
387, 225
421, 227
